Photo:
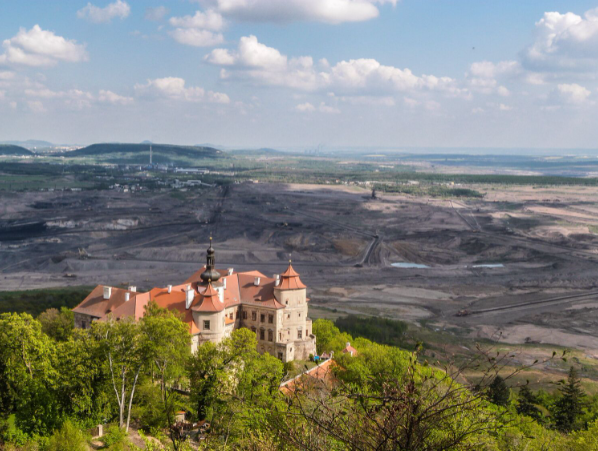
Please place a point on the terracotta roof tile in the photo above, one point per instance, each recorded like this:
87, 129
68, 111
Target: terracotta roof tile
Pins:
95, 304
291, 280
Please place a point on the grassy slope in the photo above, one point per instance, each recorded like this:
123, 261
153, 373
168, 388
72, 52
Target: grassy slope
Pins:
8, 149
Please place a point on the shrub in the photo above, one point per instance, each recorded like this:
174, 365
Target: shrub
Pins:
68, 437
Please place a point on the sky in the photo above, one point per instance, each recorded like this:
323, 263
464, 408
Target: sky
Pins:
302, 73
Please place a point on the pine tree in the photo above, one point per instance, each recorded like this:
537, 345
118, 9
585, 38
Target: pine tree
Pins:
498, 392
527, 404
569, 407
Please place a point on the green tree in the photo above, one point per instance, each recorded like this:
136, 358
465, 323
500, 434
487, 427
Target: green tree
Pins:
527, 404
57, 324
27, 358
125, 350
569, 407
499, 392
168, 348
208, 367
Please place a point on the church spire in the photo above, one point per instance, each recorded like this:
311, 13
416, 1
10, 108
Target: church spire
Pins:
210, 274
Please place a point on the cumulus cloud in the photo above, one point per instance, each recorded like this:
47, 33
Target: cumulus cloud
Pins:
266, 65
196, 38
38, 47
564, 42
36, 106
572, 94
73, 98
209, 20
175, 89
328, 11
305, 107
322, 108
113, 98
96, 14
156, 14
199, 30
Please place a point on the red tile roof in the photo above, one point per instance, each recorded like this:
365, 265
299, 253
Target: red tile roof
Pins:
350, 350
95, 304
291, 280
210, 301
134, 307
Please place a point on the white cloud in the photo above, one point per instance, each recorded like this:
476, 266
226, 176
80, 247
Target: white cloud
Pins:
113, 98
564, 42
487, 69
156, 14
328, 109
175, 89
196, 37
502, 91
328, 11
2, 94
73, 98
266, 65
305, 107
199, 30
322, 108
36, 106
96, 14
503, 107
6, 75
38, 47
209, 20
573, 94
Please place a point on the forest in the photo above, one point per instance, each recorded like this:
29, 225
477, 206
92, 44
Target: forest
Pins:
56, 383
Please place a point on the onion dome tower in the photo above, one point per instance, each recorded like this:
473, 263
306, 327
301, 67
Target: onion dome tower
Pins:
210, 274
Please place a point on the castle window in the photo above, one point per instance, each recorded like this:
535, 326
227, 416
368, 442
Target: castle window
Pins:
299, 315
231, 315
262, 334
253, 329
270, 319
263, 318
299, 334
244, 315
286, 302
280, 356
270, 335
206, 325
253, 316
289, 316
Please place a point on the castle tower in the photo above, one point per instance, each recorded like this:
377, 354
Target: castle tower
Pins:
292, 293
210, 274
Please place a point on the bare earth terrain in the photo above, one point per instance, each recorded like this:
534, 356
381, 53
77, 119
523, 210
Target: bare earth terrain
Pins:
517, 267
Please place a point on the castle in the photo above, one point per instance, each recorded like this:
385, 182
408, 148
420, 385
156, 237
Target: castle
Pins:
215, 302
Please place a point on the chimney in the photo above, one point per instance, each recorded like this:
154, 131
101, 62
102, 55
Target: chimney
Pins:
189, 298
107, 292
169, 289
230, 271
224, 283
256, 281
132, 288
348, 344
127, 296
276, 278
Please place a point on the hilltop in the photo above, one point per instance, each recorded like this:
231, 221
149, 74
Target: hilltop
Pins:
139, 153
9, 149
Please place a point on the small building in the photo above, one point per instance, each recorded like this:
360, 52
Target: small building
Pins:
350, 350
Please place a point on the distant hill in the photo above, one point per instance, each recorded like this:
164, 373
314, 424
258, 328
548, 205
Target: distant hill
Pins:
29, 144
257, 152
9, 149
139, 153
